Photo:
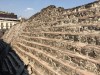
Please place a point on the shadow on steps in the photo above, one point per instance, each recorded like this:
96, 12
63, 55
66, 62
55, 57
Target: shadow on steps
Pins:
10, 62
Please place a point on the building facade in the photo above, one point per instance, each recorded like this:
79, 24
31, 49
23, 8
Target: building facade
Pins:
7, 20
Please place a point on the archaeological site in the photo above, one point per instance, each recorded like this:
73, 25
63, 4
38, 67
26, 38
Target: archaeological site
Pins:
55, 41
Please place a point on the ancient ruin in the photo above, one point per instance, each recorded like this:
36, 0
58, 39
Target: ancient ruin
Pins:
58, 41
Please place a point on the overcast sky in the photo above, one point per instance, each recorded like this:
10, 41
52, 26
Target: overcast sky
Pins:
27, 8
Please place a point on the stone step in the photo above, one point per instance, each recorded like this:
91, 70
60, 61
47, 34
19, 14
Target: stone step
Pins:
66, 27
35, 59
41, 34
74, 29
34, 71
67, 53
80, 13
82, 71
64, 21
45, 18
92, 38
76, 47
35, 50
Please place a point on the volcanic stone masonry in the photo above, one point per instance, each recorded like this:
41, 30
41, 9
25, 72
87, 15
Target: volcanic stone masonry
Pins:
58, 41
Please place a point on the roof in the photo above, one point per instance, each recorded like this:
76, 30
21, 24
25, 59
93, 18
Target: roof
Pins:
9, 19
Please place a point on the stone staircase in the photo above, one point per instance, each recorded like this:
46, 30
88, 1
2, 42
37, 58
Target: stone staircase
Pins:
58, 41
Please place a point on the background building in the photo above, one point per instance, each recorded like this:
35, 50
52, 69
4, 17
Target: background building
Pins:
7, 20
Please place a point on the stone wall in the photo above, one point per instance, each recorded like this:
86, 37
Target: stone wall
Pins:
58, 41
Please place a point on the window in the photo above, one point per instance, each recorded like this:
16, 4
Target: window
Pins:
6, 25
10, 25
2, 26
